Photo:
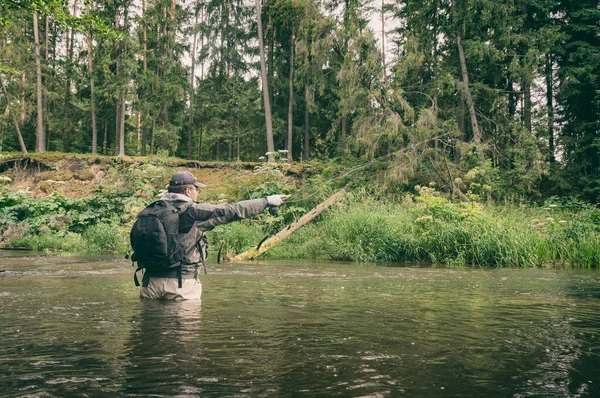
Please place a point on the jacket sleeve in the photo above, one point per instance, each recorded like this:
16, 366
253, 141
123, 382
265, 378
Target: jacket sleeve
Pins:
206, 215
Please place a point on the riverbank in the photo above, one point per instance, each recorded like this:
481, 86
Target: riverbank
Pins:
94, 215
429, 228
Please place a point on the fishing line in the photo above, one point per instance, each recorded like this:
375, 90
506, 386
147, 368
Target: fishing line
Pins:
360, 166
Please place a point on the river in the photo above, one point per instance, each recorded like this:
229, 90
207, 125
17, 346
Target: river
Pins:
74, 326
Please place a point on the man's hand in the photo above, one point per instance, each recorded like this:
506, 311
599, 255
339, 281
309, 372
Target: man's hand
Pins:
276, 200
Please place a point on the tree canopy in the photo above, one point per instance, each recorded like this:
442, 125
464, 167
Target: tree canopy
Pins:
491, 98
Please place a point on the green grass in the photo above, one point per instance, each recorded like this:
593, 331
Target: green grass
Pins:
423, 228
434, 230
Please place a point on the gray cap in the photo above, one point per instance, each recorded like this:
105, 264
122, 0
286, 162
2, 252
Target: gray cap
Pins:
185, 178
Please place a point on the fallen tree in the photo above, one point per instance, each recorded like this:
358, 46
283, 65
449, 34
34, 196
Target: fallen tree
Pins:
289, 230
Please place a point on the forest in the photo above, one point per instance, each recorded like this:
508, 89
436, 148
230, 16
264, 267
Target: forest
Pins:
499, 99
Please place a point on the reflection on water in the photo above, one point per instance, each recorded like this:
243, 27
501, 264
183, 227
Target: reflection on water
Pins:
75, 326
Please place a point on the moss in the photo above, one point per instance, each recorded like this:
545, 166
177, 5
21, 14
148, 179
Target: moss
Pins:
55, 175
46, 187
84, 175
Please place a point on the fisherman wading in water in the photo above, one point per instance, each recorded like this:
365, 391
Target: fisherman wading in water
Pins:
168, 237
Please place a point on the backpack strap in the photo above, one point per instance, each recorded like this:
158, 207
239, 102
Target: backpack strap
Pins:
145, 279
135, 278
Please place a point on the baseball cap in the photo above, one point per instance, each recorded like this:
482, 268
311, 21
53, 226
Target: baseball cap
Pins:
185, 178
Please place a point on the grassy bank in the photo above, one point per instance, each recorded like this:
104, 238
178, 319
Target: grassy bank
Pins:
428, 228
420, 227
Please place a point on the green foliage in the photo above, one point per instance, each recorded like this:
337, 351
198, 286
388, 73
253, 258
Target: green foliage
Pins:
65, 242
57, 221
236, 237
104, 237
435, 230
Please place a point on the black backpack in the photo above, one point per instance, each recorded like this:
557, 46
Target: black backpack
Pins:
155, 238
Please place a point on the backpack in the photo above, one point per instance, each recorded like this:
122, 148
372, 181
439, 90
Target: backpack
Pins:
155, 238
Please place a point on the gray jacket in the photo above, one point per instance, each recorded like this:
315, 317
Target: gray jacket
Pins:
198, 218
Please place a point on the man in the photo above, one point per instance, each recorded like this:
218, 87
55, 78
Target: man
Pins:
184, 223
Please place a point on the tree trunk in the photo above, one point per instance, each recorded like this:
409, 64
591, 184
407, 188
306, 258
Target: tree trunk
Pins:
465, 77
238, 136
343, 136
173, 13
469, 98
152, 137
90, 65
144, 138
306, 151
105, 137
202, 44
120, 144
47, 32
122, 124
145, 41
290, 229
45, 98
69, 37
383, 41
117, 125
527, 105
460, 121
192, 80
200, 141
291, 102
145, 66
23, 80
550, 104
118, 108
139, 132
14, 119
72, 31
40, 136
270, 52
265, 85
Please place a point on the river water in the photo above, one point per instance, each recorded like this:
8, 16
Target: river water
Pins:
74, 326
